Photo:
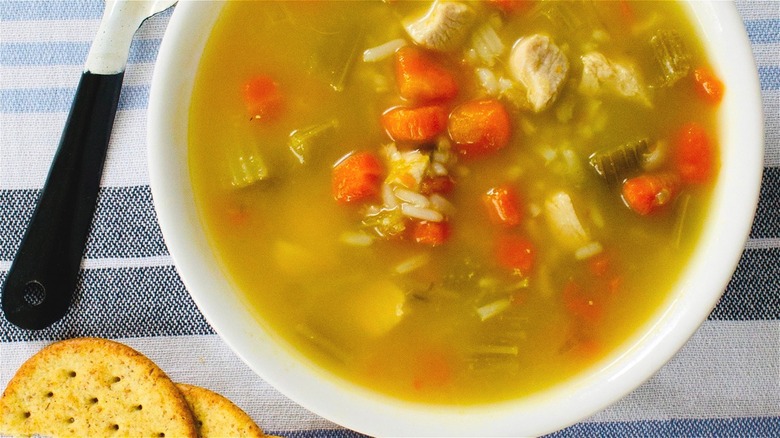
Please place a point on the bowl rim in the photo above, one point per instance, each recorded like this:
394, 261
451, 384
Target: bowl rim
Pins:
344, 403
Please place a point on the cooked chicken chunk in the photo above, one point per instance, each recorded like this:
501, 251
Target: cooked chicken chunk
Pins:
541, 67
443, 27
600, 74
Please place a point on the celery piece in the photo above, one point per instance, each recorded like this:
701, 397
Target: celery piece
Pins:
386, 222
570, 16
674, 60
246, 165
616, 164
335, 59
306, 142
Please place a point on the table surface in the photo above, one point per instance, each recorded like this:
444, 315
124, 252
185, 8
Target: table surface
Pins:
724, 382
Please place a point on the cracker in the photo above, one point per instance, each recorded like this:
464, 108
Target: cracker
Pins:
216, 416
93, 387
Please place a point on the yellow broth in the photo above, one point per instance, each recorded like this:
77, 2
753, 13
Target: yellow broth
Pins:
352, 308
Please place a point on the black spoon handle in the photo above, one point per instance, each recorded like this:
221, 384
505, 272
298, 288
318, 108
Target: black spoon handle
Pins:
40, 284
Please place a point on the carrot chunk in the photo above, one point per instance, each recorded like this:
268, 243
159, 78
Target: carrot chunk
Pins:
415, 125
709, 87
479, 127
503, 205
511, 6
581, 303
694, 155
263, 98
648, 193
422, 79
516, 253
357, 177
431, 233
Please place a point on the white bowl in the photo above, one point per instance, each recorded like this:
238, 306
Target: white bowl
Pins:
694, 296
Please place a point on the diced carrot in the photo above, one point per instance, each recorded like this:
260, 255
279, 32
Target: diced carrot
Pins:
649, 193
479, 127
357, 177
503, 205
421, 78
580, 303
511, 6
414, 125
588, 348
431, 233
437, 184
516, 253
263, 98
237, 214
600, 264
709, 87
615, 284
627, 11
433, 368
694, 155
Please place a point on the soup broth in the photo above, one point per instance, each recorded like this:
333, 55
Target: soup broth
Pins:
455, 217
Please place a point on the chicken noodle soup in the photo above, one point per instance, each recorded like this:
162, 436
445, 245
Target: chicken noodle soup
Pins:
454, 202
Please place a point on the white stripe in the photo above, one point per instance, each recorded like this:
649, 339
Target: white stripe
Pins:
767, 55
131, 262
771, 99
758, 9
64, 76
30, 140
728, 369
768, 243
70, 30
115, 262
48, 31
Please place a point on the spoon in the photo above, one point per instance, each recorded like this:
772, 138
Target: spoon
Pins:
40, 284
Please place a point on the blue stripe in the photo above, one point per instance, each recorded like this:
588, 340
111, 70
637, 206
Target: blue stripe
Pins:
763, 31
58, 100
125, 223
753, 293
69, 52
767, 221
769, 77
121, 303
125, 226
756, 427
51, 10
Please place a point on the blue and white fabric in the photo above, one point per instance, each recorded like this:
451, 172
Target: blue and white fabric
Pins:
724, 382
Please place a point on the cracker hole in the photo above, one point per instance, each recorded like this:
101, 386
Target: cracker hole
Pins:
72, 374
161, 434
116, 379
93, 400
200, 423
27, 414
114, 427
139, 407
71, 420
34, 293
49, 394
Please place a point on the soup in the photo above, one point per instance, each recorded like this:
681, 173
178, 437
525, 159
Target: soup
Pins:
454, 202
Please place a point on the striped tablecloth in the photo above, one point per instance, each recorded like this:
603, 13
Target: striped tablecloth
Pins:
725, 382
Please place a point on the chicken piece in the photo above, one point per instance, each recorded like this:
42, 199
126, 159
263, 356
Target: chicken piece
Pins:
600, 74
564, 222
443, 27
541, 67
